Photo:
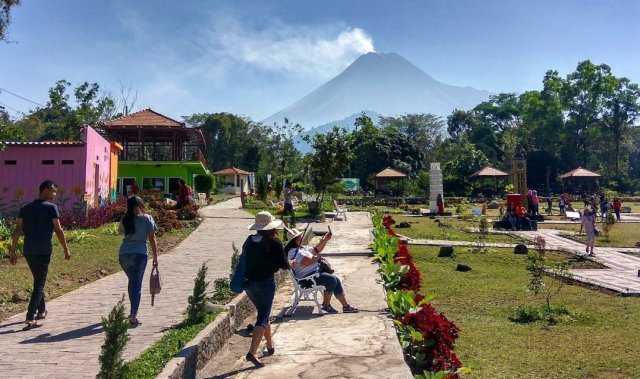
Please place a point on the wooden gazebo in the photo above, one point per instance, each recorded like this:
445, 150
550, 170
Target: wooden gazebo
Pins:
489, 172
580, 174
386, 176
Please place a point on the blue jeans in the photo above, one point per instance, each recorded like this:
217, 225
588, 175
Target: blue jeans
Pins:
39, 266
134, 265
331, 283
261, 295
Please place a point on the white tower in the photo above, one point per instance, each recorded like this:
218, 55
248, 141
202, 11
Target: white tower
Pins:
435, 186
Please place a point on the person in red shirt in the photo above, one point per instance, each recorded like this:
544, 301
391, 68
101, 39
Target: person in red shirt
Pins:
184, 193
617, 205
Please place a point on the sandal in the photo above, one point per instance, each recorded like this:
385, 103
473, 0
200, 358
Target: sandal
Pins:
350, 309
41, 315
329, 309
32, 324
252, 358
133, 322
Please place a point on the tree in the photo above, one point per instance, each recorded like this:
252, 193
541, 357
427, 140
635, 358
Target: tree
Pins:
115, 328
5, 16
459, 122
331, 157
426, 130
462, 160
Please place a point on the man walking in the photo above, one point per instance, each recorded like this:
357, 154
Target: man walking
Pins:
38, 220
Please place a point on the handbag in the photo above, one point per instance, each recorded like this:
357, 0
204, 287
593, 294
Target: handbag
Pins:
237, 278
325, 266
596, 231
155, 283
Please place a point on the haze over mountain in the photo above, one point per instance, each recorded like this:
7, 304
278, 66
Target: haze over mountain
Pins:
384, 83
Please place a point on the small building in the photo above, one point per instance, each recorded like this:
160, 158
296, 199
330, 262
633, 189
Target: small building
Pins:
233, 180
157, 151
79, 168
388, 176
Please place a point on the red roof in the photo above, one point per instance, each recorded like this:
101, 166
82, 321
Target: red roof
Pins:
231, 171
390, 173
145, 117
45, 143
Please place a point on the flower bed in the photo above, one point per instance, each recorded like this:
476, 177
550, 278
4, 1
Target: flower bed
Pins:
426, 336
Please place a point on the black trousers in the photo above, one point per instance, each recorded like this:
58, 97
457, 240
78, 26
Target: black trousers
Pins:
39, 266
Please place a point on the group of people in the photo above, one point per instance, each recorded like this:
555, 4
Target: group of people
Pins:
38, 220
516, 217
264, 255
184, 195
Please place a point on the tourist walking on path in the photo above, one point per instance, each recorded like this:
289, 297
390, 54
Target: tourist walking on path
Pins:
288, 200
307, 260
264, 255
137, 227
617, 205
589, 225
37, 221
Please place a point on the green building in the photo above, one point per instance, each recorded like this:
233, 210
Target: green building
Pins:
157, 151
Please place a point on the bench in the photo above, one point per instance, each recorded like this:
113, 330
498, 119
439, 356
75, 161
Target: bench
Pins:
300, 293
573, 215
340, 212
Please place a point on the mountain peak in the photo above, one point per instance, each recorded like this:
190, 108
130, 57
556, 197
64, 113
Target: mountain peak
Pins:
386, 83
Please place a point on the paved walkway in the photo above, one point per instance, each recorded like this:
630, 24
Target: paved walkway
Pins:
359, 345
621, 274
68, 345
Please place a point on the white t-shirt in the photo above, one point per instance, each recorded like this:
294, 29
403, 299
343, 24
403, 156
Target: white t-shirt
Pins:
588, 222
299, 270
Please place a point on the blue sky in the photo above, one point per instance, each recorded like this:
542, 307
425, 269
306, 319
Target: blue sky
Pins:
256, 57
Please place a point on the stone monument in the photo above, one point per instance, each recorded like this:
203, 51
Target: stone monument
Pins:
435, 186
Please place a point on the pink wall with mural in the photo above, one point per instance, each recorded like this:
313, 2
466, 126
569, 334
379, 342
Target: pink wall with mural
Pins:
68, 163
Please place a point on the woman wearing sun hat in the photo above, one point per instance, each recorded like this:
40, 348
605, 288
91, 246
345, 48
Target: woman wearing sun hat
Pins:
307, 263
264, 255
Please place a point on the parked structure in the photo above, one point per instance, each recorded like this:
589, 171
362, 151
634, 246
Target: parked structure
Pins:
233, 180
79, 168
157, 151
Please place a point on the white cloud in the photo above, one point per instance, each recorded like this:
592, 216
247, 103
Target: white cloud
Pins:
291, 49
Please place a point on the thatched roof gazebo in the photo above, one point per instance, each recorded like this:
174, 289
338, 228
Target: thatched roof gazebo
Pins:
489, 172
386, 176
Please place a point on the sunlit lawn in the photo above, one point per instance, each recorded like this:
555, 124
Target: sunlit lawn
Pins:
452, 229
602, 341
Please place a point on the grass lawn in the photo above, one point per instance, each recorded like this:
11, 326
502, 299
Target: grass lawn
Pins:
453, 229
621, 234
94, 255
601, 342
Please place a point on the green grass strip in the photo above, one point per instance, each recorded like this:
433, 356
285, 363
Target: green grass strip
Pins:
152, 361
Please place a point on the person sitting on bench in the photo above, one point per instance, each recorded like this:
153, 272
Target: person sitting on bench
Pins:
306, 263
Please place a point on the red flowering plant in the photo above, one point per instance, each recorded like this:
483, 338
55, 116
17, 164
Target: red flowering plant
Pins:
433, 350
387, 221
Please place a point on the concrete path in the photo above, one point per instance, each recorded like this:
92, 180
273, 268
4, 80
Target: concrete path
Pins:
359, 345
621, 274
68, 345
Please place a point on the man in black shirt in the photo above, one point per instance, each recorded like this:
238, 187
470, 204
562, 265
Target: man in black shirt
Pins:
37, 221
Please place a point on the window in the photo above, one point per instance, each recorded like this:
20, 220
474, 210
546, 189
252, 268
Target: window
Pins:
47, 161
68, 161
153, 183
11, 162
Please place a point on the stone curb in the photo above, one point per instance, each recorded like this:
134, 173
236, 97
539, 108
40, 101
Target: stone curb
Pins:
195, 354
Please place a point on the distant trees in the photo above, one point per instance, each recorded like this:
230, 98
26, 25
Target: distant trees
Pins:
5, 16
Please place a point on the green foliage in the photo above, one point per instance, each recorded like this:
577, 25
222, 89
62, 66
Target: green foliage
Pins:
402, 302
331, 157
235, 257
222, 291
483, 226
154, 359
391, 273
5, 9
261, 188
197, 301
531, 313
609, 222
203, 183
79, 236
115, 328
278, 188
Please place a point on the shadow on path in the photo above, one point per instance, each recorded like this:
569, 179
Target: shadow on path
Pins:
72, 334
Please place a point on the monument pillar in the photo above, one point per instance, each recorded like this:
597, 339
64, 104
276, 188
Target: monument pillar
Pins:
435, 186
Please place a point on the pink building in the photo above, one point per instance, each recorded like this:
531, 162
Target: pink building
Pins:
78, 167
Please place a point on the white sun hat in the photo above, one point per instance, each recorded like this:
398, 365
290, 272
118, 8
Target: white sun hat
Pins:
265, 221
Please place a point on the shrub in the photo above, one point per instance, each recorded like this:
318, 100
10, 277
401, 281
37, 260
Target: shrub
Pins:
235, 257
261, 189
188, 212
115, 339
203, 183
222, 290
196, 310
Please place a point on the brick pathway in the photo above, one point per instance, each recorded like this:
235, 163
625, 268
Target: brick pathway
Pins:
68, 345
